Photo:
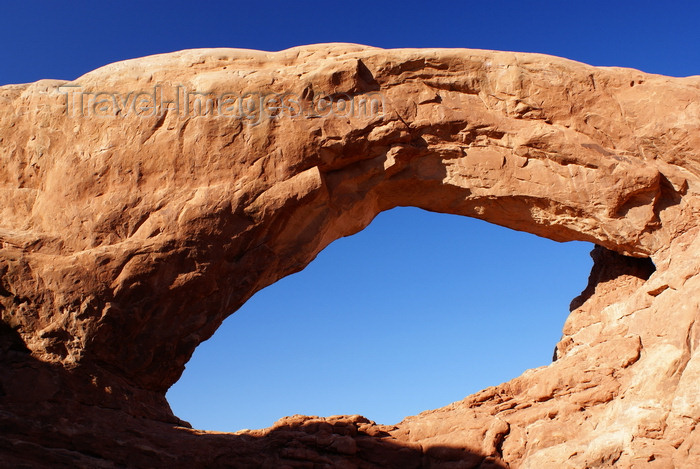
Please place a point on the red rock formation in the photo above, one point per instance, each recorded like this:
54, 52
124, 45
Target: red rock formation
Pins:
127, 234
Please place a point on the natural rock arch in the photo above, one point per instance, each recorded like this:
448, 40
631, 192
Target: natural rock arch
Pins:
127, 239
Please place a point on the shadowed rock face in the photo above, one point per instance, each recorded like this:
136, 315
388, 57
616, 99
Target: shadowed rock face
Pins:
126, 239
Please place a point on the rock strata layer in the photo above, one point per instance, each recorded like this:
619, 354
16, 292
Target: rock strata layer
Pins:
145, 201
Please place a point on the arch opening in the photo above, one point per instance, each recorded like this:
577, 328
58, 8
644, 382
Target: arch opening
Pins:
414, 312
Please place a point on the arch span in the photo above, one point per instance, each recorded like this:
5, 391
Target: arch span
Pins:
128, 237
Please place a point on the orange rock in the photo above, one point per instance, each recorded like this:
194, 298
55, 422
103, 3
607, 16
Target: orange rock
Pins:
147, 200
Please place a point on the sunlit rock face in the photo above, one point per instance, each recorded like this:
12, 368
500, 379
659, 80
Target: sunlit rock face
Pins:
146, 201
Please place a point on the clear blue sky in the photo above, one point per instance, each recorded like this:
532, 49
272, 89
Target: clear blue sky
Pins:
420, 309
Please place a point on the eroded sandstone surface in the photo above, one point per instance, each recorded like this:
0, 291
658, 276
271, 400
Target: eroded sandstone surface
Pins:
127, 237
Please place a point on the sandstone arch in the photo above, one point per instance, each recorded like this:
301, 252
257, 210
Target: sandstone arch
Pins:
126, 240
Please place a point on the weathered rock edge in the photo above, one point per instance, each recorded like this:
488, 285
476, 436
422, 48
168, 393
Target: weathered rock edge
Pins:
125, 241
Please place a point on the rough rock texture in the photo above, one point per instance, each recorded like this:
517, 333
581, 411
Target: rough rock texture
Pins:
125, 241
